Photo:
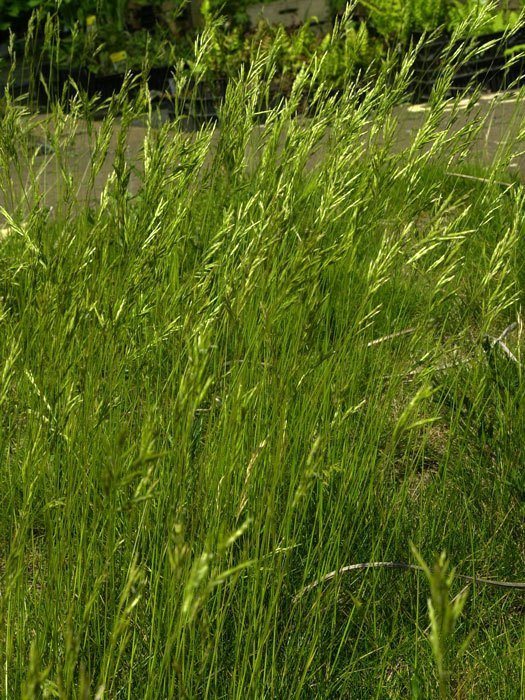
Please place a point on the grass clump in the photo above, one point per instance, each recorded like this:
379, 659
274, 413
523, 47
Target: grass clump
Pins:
243, 362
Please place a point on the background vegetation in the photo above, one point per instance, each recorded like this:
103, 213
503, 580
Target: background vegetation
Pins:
388, 17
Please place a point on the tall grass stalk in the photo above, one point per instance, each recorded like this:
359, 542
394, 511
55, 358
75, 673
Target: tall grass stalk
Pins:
238, 359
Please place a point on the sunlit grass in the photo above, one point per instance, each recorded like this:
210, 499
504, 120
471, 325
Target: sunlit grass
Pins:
222, 386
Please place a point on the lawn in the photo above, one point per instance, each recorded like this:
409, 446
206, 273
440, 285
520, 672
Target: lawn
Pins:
218, 390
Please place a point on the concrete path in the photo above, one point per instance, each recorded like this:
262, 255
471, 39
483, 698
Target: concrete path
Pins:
502, 115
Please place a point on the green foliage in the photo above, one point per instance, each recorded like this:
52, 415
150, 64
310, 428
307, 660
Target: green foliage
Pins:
342, 58
444, 612
425, 15
387, 16
68, 10
486, 17
398, 18
339, 54
14, 9
232, 361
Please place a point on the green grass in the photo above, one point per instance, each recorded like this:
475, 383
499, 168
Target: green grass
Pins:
196, 423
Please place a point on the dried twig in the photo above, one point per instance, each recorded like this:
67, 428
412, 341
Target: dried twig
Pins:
402, 565
490, 343
440, 368
508, 352
481, 179
384, 338
507, 330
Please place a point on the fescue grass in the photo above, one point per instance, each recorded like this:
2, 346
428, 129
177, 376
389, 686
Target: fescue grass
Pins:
197, 421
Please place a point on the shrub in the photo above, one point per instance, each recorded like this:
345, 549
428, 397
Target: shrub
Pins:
15, 9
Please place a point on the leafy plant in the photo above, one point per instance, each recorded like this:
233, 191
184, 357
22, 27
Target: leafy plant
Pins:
426, 15
14, 9
486, 17
342, 58
396, 19
387, 16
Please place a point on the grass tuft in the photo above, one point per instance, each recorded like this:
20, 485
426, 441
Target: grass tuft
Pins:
235, 360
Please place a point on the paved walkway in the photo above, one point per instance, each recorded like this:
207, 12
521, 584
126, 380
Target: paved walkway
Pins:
502, 118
